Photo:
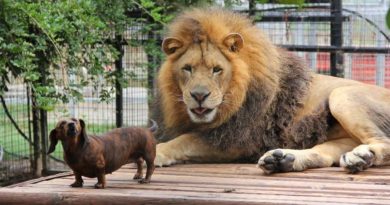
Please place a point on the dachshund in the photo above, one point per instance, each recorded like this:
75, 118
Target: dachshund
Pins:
95, 156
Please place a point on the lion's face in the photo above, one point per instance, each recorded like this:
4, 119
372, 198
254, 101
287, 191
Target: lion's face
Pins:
203, 75
203, 80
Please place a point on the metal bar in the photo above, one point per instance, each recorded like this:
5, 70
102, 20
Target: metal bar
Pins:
31, 147
345, 49
44, 67
118, 84
252, 7
153, 61
278, 18
380, 62
37, 153
44, 137
336, 39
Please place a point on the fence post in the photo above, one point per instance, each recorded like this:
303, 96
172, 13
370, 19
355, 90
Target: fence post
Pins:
118, 83
37, 166
252, 7
43, 121
336, 39
153, 62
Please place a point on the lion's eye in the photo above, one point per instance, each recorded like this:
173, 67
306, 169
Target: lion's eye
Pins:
187, 68
217, 70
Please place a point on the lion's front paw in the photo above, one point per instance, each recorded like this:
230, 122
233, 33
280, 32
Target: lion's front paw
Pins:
358, 159
276, 161
162, 160
164, 155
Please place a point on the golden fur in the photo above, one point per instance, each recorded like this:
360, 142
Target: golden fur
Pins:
216, 28
226, 93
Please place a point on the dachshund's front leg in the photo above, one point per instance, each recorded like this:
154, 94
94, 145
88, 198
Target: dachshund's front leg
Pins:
79, 181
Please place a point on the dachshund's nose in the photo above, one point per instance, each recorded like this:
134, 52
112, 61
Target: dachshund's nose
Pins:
72, 126
72, 129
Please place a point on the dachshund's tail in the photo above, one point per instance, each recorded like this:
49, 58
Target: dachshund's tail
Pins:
154, 126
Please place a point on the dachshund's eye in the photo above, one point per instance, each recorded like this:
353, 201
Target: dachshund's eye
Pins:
62, 124
187, 68
217, 70
74, 119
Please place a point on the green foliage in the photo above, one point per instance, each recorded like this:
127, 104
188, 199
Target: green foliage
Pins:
59, 47
42, 42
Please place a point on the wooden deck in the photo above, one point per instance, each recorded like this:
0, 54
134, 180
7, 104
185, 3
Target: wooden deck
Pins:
210, 184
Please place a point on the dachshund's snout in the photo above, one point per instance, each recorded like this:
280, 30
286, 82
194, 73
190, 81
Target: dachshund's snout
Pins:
72, 129
72, 125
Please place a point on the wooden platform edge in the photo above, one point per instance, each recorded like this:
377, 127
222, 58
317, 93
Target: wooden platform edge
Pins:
40, 179
35, 198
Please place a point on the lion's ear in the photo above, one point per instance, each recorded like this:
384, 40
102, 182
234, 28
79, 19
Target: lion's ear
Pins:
170, 45
234, 42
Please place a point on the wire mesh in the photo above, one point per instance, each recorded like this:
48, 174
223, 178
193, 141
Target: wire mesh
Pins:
363, 26
15, 151
101, 116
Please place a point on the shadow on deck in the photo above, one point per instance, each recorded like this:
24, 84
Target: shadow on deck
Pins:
210, 184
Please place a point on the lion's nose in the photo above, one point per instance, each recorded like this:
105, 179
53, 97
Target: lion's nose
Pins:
200, 94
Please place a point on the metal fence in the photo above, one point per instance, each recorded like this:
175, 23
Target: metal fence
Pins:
348, 40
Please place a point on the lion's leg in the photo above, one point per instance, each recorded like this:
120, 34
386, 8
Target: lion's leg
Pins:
364, 112
190, 147
322, 155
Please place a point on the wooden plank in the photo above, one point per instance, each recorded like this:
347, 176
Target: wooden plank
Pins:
37, 180
210, 184
363, 194
128, 195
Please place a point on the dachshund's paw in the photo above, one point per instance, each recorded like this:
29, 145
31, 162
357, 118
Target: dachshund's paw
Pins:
162, 160
77, 184
144, 181
358, 159
137, 176
275, 161
99, 186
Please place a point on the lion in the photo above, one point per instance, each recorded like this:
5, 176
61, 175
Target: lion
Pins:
227, 94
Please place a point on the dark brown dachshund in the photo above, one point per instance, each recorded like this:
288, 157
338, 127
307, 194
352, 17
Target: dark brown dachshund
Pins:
95, 156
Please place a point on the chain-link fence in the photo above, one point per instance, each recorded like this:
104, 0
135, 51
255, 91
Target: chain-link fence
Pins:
16, 143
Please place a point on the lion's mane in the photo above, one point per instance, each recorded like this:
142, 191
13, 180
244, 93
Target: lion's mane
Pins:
266, 90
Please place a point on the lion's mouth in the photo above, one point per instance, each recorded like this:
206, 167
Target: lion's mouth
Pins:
201, 111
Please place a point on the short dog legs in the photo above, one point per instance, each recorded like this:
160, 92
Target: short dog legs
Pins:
139, 173
150, 169
79, 181
101, 180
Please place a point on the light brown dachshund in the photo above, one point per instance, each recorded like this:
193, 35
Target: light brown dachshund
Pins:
95, 156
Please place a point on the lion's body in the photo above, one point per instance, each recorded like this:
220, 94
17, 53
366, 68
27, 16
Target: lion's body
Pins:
226, 93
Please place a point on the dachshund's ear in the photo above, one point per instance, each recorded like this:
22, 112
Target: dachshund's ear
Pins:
53, 141
84, 137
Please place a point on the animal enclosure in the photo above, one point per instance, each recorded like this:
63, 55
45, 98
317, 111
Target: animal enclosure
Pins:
343, 38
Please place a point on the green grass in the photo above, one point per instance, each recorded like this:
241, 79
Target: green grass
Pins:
13, 142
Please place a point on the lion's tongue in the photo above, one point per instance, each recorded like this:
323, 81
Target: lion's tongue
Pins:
200, 110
